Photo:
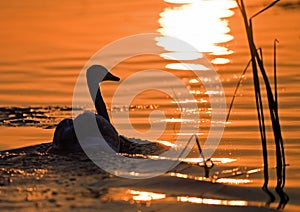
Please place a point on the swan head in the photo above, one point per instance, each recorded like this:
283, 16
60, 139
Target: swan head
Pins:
95, 75
98, 73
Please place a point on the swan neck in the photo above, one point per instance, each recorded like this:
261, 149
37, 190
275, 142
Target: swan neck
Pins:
100, 106
97, 98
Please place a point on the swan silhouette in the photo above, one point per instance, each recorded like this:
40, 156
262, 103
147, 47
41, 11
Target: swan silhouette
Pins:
65, 139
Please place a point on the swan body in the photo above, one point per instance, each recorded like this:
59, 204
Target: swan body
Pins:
65, 139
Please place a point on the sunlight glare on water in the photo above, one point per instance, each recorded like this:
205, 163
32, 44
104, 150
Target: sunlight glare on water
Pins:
146, 196
134, 196
207, 201
201, 24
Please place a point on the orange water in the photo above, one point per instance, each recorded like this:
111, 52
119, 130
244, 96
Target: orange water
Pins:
45, 44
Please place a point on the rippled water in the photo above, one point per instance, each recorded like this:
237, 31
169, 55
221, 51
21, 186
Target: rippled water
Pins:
46, 44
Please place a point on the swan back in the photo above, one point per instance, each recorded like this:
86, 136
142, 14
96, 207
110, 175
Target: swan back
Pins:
108, 132
65, 138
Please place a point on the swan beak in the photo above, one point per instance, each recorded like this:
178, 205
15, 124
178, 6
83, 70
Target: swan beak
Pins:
110, 77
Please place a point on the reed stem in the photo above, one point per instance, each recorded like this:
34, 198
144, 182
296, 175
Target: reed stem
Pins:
257, 60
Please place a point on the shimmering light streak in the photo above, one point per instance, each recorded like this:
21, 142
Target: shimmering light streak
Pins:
146, 196
207, 201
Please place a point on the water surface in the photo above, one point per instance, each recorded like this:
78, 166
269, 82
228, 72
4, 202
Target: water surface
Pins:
44, 46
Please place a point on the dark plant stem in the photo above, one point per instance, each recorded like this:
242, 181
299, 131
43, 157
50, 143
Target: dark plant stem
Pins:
258, 101
280, 155
236, 89
273, 108
206, 166
275, 76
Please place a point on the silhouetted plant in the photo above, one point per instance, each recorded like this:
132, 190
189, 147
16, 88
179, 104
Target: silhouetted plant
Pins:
258, 66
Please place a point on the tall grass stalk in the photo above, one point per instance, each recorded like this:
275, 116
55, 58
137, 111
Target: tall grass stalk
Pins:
257, 65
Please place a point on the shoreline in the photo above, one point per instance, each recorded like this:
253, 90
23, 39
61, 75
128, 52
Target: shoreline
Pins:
33, 180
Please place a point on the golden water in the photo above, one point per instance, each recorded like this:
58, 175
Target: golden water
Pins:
45, 44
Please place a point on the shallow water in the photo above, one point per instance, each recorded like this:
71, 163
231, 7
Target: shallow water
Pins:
46, 44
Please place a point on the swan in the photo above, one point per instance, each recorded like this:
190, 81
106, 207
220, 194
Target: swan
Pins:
65, 140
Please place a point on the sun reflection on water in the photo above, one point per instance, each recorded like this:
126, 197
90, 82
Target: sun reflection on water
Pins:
219, 180
150, 197
201, 24
207, 201
187, 66
146, 196
215, 160
233, 181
